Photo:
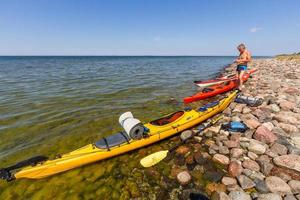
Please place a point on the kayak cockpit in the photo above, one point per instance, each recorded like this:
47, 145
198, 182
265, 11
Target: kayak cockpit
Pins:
168, 119
112, 141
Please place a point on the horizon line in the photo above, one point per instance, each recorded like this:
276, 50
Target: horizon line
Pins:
133, 55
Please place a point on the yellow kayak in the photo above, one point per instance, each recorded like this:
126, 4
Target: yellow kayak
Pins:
118, 143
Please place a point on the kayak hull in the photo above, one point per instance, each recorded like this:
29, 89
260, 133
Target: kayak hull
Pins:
220, 80
91, 153
214, 90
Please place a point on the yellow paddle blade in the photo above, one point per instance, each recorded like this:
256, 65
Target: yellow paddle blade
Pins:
154, 158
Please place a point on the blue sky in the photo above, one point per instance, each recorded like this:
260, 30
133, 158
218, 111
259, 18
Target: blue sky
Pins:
148, 27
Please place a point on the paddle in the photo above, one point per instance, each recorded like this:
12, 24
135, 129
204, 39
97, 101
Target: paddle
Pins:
155, 158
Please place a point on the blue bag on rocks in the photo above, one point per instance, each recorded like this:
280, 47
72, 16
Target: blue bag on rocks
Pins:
235, 127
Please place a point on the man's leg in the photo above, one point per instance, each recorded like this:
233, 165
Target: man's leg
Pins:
242, 72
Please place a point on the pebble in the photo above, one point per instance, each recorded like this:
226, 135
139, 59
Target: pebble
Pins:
184, 177
268, 125
295, 186
252, 123
277, 185
221, 159
288, 128
220, 196
252, 155
235, 169
261, 186
290, 197
290, 161
257, 147
229, 181
245, 182
239, 195
279, 149
250, 164
263, 134
269, 196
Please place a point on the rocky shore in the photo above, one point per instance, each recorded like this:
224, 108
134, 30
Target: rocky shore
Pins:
264, 162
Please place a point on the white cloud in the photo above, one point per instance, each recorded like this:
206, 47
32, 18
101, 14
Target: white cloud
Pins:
255, 29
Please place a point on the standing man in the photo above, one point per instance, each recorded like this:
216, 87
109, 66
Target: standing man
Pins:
242, 63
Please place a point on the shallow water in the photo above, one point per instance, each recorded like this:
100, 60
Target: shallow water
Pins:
51, 105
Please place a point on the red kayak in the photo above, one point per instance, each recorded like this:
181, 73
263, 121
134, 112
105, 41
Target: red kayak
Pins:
219, 80
216, 89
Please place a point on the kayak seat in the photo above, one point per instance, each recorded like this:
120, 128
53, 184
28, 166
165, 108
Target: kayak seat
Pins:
209, 105
112, 141
168, 119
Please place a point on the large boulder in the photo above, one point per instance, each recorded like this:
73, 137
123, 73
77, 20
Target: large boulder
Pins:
277, 185
290, 161
263, 134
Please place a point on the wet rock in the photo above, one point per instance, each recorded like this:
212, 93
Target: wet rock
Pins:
214, 187
245, 182
221, 159
289, 161
263, 134
287, 105
219, 196
295, 186
257, 147
236, 152
269, 196
279, 149
290, 197
252, 155
252, 123
184, 178
182, 150
261, 186
235, 169
250, 164
228, 181
199, 158
195, 195
213, 176
190, 160
239, 195
277, 185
